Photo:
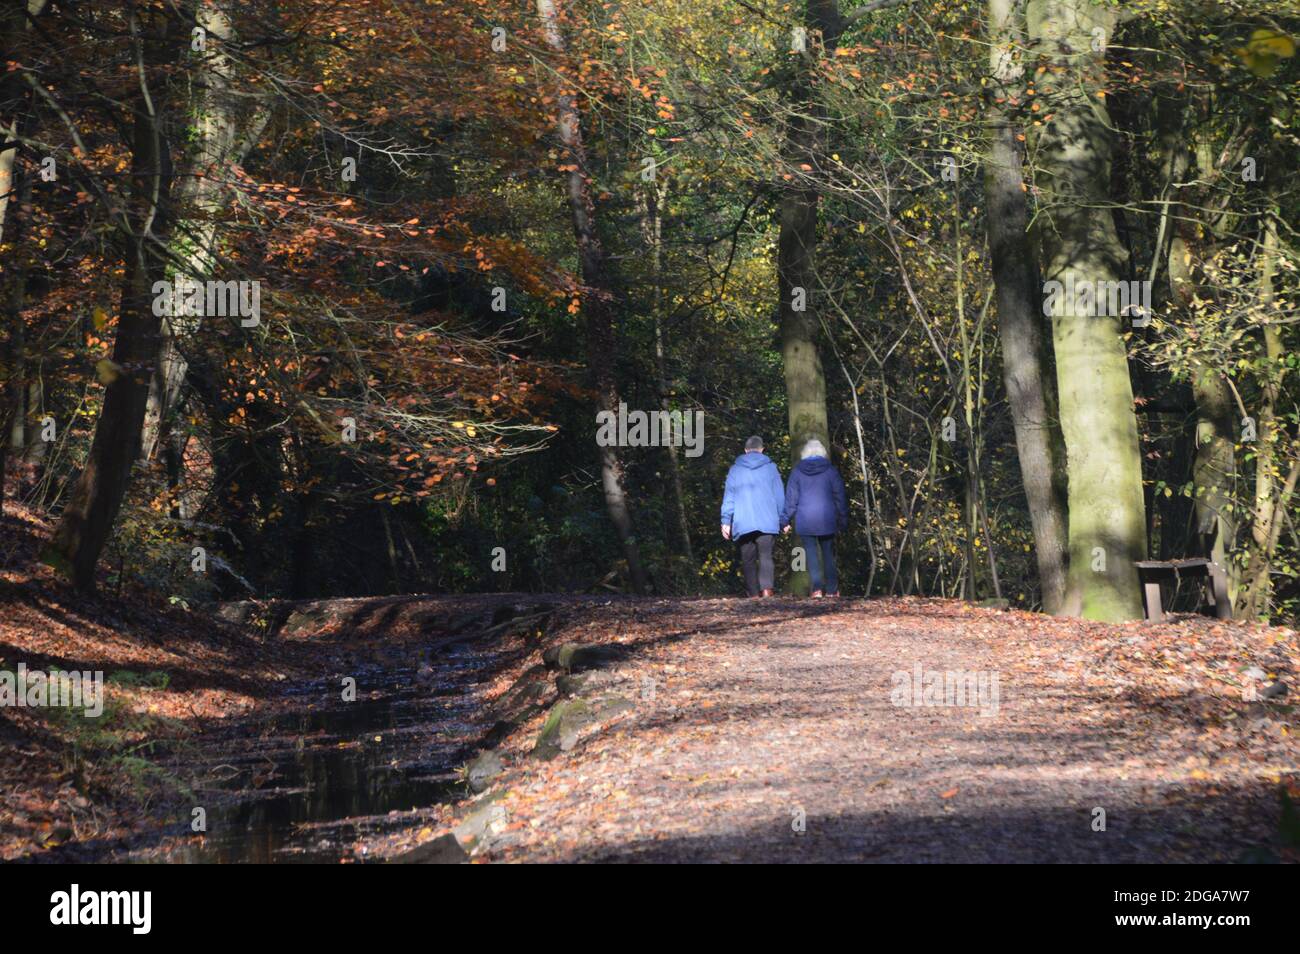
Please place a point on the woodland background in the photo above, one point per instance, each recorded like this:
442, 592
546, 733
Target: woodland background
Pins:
649, 183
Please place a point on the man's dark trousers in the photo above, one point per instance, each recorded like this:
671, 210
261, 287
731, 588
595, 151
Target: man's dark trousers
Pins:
756, 560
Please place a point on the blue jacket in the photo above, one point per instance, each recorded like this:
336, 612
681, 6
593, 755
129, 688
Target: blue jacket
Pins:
815, 501
753, 499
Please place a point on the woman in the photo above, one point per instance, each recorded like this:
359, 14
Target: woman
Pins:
817, 507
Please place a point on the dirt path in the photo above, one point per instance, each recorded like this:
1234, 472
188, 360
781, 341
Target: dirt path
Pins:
752, 715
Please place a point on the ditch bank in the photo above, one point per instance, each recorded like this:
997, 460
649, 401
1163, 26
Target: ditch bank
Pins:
270, 732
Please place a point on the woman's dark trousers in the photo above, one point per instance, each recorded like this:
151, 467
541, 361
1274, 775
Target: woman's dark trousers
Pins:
821, 563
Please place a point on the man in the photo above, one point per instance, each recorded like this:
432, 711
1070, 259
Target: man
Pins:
753, 513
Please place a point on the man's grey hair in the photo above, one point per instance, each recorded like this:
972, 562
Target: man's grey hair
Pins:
813, 448
754, 443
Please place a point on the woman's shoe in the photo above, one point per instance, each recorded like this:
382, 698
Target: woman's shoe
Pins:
817, 594
768, 593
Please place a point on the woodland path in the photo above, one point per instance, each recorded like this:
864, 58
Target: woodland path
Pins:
761, 710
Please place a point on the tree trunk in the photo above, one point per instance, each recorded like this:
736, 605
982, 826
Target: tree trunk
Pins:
97, 496
16, 116
805, 380
15, 97
1214, 469
653, 232
1081, 249
1026, 369
796, 250
1271, 491
221, 139
14, 292
596, 304
1214, 466
796, 247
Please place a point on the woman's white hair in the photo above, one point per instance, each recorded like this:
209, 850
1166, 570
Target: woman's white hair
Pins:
813, 448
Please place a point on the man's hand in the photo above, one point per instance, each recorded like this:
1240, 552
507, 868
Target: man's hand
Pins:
786, 529
726, 531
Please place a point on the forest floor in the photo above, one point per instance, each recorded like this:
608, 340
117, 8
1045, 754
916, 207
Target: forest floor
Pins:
647, 729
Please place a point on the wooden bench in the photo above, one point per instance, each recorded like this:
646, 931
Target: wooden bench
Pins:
1154, 572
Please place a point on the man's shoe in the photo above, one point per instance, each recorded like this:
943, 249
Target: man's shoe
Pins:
768, 593
817, 594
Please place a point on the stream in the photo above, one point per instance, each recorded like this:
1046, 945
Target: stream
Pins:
310, 784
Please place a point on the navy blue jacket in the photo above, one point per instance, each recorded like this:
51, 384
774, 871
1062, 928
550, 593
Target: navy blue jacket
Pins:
815, 501
753, 498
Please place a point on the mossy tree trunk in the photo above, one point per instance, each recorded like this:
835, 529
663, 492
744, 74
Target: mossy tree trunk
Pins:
796, 255
220, 137
1080, 247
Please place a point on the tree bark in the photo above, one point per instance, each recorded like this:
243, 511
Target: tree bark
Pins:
1080, 245
597, 307
1026, 368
